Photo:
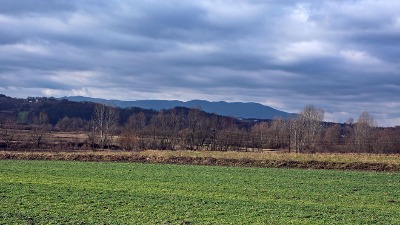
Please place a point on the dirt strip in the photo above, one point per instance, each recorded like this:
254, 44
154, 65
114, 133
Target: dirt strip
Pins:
244, 162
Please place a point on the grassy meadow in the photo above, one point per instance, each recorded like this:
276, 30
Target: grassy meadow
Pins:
65, 192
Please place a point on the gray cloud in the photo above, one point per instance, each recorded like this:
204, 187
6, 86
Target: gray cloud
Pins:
339, 55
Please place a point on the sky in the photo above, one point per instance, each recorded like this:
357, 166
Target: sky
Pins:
342, 56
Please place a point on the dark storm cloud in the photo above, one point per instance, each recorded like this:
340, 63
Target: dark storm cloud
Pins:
339, 55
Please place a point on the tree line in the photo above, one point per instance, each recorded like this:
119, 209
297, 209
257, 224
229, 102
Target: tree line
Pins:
107, 127
306, 133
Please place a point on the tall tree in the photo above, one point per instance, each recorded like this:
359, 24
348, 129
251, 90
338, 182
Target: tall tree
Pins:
331, 137
8, 130
259, 135
199, 129
133, 132
307, 127
40, 126
105, 120
363, 132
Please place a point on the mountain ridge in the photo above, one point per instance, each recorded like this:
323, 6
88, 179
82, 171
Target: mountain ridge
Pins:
248, 110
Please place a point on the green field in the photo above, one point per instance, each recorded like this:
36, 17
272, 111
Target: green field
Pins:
22, 117
56, 192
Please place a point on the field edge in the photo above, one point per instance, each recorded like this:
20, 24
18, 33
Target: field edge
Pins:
153, 157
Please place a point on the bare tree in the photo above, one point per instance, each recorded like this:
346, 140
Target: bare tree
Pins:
331, 137
173, 122
105, 120
161, 128
223, 134
132, 135
40, 126
136, 122
277, 134
70, 124
3, 129
298, 134
363, 132
199, 129
8, 131
347, 135
259, 135
307, 127
231, 138
289, 131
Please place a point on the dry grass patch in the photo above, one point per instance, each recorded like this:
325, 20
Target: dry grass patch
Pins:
282, 156
371, 162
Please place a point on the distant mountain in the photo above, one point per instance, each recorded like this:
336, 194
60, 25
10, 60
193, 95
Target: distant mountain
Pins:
234, 109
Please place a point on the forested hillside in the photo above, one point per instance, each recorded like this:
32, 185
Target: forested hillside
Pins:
56, 109
37, 123
234, 109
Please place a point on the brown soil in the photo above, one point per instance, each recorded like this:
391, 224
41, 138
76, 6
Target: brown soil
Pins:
212, 161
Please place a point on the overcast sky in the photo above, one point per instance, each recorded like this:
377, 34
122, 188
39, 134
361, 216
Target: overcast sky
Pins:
342, 56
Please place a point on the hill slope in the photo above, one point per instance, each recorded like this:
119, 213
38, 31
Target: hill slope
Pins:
235, 109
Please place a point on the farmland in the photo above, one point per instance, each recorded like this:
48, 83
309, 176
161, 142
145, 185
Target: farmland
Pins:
367, 162
51, 124
64, 192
